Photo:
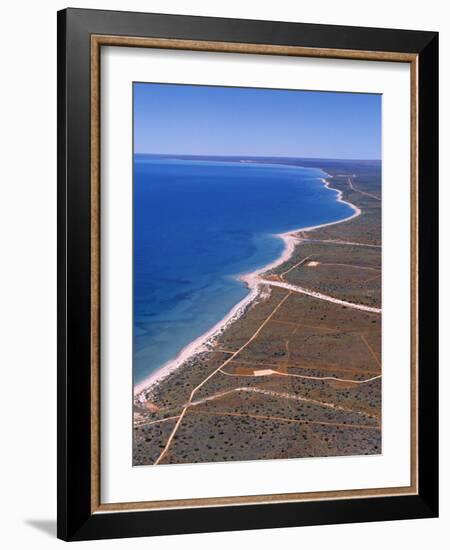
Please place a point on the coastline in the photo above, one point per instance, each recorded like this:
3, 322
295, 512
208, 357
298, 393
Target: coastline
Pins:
254, 284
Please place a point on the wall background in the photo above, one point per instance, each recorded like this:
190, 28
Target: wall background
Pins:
28, 271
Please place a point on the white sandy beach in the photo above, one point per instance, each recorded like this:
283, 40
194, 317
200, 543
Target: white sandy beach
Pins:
255, 284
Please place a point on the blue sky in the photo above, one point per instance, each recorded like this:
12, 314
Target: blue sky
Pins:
207, 120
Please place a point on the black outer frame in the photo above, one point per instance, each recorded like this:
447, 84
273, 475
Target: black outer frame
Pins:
75, 521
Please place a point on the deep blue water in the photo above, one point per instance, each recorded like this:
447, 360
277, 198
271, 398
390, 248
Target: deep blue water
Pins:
198, 224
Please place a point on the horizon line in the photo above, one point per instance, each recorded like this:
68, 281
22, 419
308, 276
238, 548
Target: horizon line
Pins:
251, 156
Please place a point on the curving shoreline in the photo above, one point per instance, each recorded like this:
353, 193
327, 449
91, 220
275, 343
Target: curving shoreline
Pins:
254, 283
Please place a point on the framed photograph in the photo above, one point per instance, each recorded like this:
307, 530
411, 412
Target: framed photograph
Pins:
247, 274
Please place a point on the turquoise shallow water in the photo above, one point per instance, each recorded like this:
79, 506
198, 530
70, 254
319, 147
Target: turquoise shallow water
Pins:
198, 224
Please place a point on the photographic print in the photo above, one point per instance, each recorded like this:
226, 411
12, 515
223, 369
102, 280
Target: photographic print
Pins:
247, 319
256, 274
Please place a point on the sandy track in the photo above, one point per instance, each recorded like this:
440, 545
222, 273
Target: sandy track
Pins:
332, 378
320, 296
284, 395
353, 188
289, 420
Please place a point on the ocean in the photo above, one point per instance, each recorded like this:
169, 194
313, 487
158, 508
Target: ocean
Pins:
198, 224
